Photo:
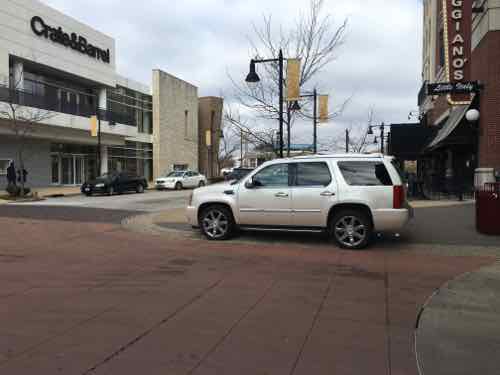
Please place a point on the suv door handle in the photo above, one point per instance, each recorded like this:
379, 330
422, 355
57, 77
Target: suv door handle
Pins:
327, 194
281, 195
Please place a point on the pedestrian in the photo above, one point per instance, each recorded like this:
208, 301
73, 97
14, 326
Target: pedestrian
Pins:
11, 174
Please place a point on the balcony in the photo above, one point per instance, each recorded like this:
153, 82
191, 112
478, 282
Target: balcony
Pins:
51, 101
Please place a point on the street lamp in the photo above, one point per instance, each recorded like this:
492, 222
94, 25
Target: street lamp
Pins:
382, 135
253, 77
296, 107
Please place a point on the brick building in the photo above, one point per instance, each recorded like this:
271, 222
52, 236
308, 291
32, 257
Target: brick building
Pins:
461, 44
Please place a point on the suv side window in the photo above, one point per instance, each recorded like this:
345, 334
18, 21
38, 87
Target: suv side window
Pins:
272, 176
312, 174
365, 173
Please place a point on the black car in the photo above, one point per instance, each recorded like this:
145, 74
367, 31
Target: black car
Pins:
111, 183
238, 173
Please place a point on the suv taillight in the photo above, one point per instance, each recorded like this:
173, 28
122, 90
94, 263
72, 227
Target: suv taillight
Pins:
398, 196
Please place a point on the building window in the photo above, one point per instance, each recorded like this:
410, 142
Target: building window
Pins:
186, 130
135, 158
180, 167
4, 164
129, 107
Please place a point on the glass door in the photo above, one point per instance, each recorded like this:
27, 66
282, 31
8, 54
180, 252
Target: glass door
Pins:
55, 167
79, 170
67, 169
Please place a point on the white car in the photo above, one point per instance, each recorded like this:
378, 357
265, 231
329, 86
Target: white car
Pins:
181, 179
349, 196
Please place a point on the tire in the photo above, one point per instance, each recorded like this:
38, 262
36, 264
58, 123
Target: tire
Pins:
178, 186
217, 223
351, 229
201, 184
139, 189
88, 194
111, 190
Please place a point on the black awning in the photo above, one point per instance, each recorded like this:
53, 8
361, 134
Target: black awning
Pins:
407, 141
456, 116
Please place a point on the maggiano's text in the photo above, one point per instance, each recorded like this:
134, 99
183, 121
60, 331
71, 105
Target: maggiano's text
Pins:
73, 41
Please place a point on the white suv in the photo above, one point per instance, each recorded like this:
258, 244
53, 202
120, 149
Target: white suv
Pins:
350, 196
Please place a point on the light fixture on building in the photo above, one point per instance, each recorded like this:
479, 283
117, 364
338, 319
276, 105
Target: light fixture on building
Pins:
370, 131
472, 115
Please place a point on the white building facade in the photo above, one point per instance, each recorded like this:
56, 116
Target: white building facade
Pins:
52, 64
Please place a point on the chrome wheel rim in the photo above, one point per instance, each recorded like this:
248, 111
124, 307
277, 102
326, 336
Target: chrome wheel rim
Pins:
111, 191
215, 224
350, 231
140, 188
201, 184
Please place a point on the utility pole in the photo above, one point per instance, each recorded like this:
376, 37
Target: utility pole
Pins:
315, 123
347, 141
280, 61
382, 149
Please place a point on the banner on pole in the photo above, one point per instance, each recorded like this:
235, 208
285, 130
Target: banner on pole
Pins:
293, 79
93, 126
323, 108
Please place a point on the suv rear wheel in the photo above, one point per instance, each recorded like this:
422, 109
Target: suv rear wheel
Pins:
351, 229
216, 222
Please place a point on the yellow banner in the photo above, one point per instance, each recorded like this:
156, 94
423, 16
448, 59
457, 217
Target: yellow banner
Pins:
208, 138
93, 126
293, 79
323, 108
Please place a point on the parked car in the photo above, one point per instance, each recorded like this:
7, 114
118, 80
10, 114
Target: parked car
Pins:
237, 174
181, 179
111, 183
348, 196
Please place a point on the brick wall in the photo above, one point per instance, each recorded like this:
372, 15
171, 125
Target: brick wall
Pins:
209, 118
486, 68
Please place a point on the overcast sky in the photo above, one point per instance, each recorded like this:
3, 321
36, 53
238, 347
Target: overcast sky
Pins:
201, 40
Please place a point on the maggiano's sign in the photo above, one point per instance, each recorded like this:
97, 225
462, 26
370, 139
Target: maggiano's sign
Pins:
457, 34
73, 40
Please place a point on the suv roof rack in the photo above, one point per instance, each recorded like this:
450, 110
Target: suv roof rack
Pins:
341, 156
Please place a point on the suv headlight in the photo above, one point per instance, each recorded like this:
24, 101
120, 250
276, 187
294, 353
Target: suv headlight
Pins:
99, 185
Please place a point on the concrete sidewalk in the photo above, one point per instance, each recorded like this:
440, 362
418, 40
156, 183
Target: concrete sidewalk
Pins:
459, 330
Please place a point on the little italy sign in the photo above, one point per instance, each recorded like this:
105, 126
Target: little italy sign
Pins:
73, 41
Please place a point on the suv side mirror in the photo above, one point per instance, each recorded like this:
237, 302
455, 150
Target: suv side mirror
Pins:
250, 184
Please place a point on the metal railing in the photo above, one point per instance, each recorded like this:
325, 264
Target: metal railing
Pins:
52, 102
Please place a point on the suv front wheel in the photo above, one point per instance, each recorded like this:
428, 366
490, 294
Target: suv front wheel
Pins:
216, 222
351, 229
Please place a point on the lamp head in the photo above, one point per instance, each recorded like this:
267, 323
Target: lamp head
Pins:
295, 106
252, 76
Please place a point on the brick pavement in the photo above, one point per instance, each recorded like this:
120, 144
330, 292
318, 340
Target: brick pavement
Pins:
79, 297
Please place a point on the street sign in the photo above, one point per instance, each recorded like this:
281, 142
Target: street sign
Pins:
93, 126
453, 88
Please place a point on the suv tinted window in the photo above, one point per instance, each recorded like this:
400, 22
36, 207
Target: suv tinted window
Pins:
365, 173
312, 174
274, 175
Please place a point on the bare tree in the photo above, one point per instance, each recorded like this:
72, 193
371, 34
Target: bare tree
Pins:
314, 39
227, 147
358, 140
21, 120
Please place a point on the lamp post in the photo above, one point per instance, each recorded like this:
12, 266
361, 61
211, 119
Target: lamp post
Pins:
382, 135
253, 77
296, 107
